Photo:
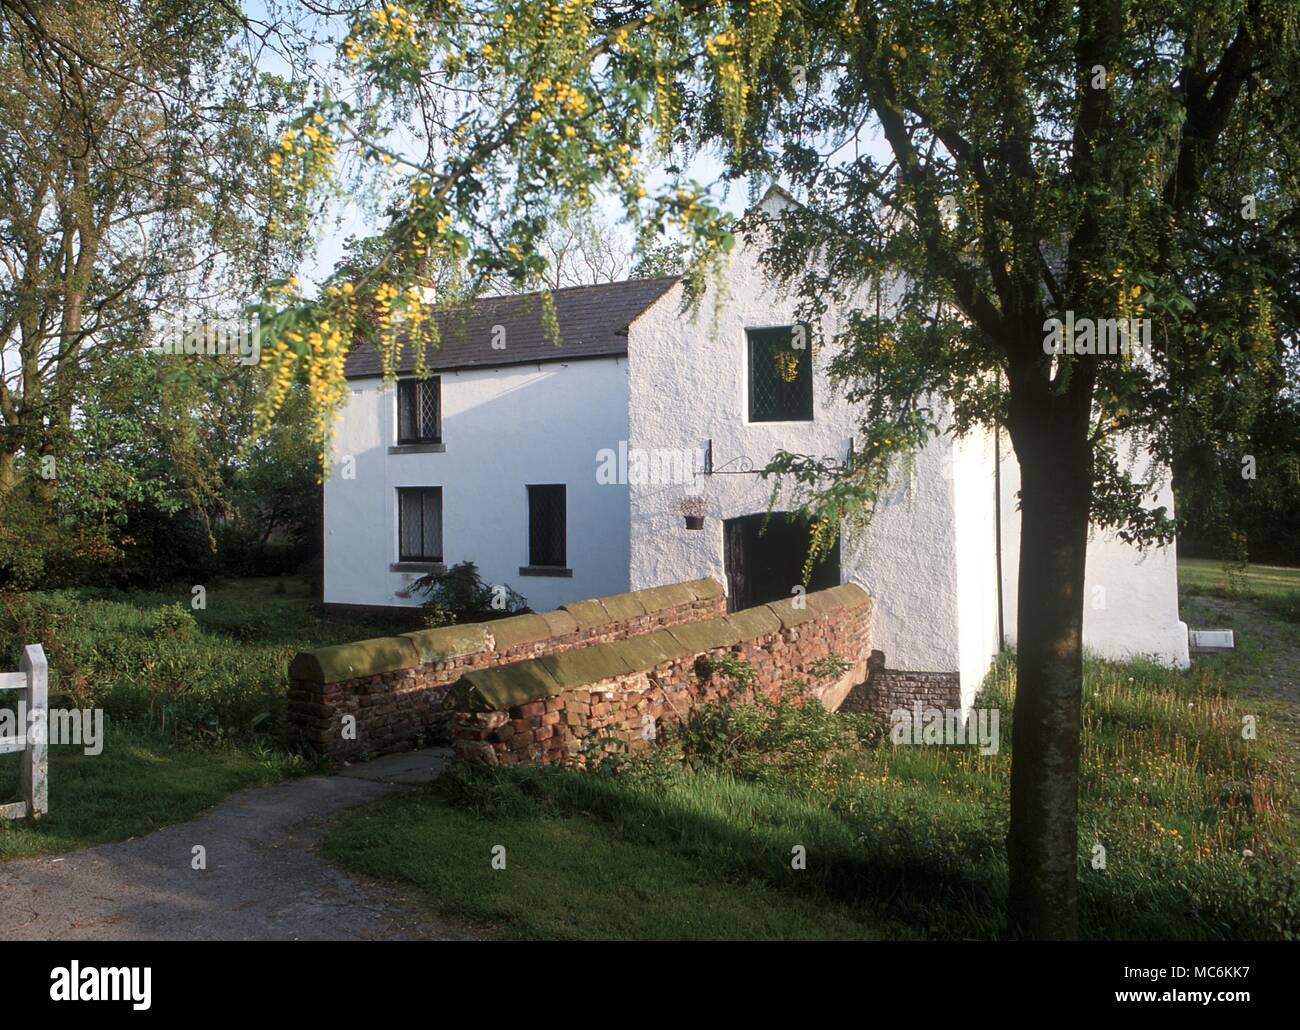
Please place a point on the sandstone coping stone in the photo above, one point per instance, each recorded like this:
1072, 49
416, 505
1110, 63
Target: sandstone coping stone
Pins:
754, 622
505, 686
622, 606
846, 595
585, 665
705, 589
517, 630
448, 641
650, 649
698, 637
789, 615
587, 614
657, 598
561, 623
348, 661
389, 654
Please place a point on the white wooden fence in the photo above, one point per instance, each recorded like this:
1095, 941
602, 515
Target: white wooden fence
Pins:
34, 679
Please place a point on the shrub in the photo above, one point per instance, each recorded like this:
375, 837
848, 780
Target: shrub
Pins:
789, 739
830, 667
735, 668
460, 595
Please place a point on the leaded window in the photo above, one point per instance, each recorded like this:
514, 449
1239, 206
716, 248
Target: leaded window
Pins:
419, 523
780, 374
419, 414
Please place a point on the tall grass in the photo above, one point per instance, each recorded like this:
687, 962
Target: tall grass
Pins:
150, 659
1186, 829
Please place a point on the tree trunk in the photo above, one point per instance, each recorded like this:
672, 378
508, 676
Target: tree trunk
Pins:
7, 474
1042, 844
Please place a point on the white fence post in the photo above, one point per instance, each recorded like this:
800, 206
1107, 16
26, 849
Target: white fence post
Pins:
35, 785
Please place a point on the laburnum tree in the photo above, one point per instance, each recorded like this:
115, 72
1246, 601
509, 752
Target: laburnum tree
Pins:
1102, 159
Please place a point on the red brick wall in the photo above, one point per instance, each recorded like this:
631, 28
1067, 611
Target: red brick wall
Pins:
886, 690
624, 712
398, 708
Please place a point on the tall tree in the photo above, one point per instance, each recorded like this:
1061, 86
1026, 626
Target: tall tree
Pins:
132, 180
1103, 160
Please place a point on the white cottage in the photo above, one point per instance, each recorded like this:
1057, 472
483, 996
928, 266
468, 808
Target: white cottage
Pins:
626, 457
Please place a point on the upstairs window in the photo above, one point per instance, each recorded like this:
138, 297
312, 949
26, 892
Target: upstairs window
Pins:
419, 410
780, 374
419, 524
547, 527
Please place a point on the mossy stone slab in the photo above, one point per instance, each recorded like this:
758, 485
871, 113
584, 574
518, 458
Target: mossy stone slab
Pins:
790, 615
448, 642
846, 595
352, 661
648, 650
658, 598
587, 614
705, 589
698, 637
577, 668
503, 687
559, 622
623, 606
518, 630
752, 623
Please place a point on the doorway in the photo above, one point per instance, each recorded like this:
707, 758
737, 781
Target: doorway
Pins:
764, 556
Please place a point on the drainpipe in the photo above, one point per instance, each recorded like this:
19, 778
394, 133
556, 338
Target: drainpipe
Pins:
997, 527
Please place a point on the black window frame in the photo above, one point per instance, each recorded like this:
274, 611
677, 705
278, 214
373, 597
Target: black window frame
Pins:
404, 556
409, 393
535, 531
789, 401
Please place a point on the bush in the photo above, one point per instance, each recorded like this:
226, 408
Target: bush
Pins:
792, 739
460, 595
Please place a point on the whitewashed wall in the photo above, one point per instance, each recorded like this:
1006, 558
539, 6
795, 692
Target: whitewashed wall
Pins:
688, 380
975, 510
1130, 597
503, 429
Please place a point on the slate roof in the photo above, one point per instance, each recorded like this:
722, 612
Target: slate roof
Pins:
593, 323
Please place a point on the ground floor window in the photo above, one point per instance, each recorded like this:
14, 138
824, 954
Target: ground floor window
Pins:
547, 526
419, 523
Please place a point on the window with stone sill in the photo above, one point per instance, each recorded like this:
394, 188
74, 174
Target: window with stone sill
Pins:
419, 411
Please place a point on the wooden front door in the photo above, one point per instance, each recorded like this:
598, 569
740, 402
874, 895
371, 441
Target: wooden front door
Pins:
764, 557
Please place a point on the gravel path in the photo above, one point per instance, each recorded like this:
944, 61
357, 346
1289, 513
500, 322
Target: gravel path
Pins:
265, 877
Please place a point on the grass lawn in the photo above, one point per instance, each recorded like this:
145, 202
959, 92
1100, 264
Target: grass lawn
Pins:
194, 700
571, 875
148, 658
1274, 586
